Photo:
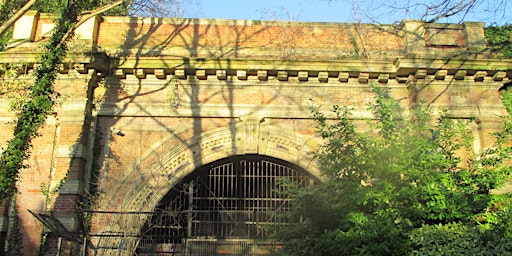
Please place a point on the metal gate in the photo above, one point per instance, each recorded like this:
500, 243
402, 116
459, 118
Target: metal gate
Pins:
235, 199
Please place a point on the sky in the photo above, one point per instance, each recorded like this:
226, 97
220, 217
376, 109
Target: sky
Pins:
299, 10
489, 11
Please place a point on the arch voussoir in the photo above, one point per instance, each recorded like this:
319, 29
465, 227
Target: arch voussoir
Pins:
150, 184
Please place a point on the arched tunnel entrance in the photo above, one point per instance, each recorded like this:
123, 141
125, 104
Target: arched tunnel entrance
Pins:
224, 208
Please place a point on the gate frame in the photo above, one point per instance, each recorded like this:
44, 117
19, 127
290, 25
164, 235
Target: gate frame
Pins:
146, 189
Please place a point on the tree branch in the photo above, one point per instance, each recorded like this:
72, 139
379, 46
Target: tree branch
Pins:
89, 15
459, 7
4, 27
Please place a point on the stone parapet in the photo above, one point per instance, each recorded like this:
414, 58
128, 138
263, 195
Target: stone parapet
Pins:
205, 38
444, 40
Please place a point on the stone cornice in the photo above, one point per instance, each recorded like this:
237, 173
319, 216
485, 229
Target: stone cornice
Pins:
401, 69
455, 64
81, 62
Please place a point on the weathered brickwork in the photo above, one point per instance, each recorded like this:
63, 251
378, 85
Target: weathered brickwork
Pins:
145, 102
223, 38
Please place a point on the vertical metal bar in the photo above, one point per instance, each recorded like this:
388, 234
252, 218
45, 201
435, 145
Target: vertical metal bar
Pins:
268, 183
257, 185
244, 195
190, 208
226, 195
84, 246
230, 200
227, 201
59, 244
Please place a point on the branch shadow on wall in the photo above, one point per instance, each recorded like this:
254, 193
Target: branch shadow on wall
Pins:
121, 106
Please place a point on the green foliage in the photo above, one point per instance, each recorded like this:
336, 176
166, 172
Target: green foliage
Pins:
460, 239
9, 8
49, 192
6, 11
13, 85
39, 104
49, 6
14, 236
451, 239
401, 188
506, 98
499, 40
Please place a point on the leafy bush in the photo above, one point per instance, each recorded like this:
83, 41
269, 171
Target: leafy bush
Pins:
405, 187
499, 40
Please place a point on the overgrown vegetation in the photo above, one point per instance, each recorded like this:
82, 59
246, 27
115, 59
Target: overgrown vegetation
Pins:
39, 103
499, 40
14, 236
406, 187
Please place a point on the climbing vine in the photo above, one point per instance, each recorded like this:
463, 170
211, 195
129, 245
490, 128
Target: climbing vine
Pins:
14, 236
49, 190
14, 84
33, 113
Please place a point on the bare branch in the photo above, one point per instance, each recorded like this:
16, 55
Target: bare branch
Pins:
378, 11
463, 6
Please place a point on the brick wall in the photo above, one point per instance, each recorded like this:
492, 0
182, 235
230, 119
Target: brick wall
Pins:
230, 38
185, 92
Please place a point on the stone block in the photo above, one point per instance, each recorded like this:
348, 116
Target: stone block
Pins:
180, 74
499, 76
460, 74
81, 68
140, 73
414, 35
47, 29
160, 74
420, 73
475, 36
120, 73
383, 78
201, 74
402, 79
480, 75
444, 37
323, 77
221, 74
282, 76
343, 77
70, 151
303, 76
25, 27
363, 77
262, 75
88, 30
241, 74
441, 74
63, 69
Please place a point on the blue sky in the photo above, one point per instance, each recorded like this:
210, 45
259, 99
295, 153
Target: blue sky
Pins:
334, 11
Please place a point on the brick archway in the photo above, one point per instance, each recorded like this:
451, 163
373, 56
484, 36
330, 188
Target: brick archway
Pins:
153, 177
171, 83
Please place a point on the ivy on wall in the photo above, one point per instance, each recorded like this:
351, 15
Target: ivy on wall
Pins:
33, 113
14, 236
